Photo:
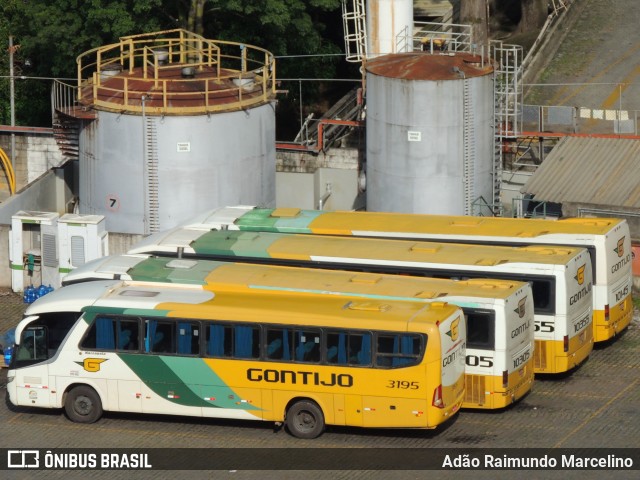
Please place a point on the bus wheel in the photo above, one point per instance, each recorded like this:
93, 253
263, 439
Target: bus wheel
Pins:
83, 405
305, 419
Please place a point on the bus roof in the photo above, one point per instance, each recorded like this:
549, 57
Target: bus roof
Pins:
308, 247
294, 220
223, 275
193, 301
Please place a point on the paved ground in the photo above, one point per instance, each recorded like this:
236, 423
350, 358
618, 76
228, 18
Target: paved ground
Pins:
596, 64
596, 406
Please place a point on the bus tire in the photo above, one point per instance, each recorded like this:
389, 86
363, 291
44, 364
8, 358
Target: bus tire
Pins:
83, 405
305, 419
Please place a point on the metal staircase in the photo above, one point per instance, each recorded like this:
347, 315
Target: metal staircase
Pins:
66, 132
348, 108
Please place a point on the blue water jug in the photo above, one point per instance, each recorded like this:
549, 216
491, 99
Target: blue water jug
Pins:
30, 294
8, 351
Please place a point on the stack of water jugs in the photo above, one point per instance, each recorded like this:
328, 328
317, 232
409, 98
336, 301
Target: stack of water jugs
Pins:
31, 293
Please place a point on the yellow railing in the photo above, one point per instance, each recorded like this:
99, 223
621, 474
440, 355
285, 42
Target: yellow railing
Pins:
211, 67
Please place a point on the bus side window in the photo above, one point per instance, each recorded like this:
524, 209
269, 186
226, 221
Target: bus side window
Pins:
359, 348
278, 344
246, 341
307, 346
349, 348
219, 340
101, 335
188, 336
160, 338
337, 348
128, 334
397, 350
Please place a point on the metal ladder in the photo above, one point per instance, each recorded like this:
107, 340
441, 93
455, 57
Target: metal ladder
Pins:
152, 203
355, 30
507, 104
469, 149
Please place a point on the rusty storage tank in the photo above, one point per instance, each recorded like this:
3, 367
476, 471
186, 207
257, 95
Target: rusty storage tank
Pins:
176, 124
429, 133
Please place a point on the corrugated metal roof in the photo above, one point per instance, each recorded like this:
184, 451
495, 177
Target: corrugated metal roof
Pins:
600, 171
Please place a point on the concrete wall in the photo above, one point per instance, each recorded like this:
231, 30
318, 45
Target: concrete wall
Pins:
120, 243
50, 193
337, 188
304, 179
303, 162
34, 155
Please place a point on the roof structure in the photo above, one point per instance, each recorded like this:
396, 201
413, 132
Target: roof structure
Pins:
593, 170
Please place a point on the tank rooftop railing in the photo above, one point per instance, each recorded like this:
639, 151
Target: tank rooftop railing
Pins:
226, 69
437, 37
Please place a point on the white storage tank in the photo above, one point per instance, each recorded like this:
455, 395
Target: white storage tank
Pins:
429, 133
179, 124
389, 26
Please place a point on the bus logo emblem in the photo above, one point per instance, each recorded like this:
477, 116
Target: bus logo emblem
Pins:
620, 248
453, 333
92, 364
580, 275
521, 310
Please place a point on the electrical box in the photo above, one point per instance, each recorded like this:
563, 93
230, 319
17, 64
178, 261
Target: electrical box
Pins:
81, 238
33, 249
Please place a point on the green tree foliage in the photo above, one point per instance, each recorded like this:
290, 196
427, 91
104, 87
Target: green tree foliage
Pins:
310, 31
52, 33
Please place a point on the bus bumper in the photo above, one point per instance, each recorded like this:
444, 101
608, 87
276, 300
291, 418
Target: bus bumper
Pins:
619, 318
579, 355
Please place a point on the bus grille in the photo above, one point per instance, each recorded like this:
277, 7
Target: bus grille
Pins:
474, 389
540, 355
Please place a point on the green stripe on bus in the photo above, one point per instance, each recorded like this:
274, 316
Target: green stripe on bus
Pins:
261, 220
156, 270
233, 243
196, 372
181, 380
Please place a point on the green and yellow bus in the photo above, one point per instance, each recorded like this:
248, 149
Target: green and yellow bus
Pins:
560, 277
499, 314
303, 360
608, 241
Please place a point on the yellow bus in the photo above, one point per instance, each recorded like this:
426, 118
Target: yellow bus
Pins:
608, 241
560, 277
303, 360
499, 314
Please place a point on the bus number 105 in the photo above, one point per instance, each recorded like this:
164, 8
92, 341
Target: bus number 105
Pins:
479, 361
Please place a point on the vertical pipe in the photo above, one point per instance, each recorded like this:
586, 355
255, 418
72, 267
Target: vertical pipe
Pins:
300, 90
12, 106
